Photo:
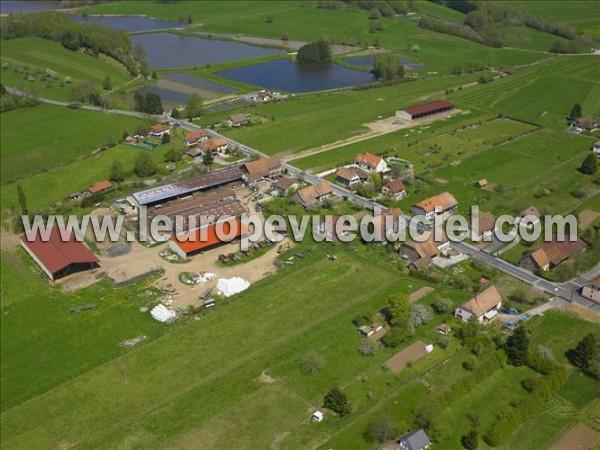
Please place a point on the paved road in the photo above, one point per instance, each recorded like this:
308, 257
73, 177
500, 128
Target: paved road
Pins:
566, 291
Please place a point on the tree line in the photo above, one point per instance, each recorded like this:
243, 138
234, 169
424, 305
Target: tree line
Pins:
57, 27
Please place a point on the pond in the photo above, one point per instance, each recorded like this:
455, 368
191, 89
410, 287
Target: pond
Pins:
15, 6
290, 76
166, 95
367, 61
129, 23
198, 82
167, 50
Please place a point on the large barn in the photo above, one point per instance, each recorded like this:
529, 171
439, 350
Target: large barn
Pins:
206, 238
160, 194
428, 109
57, 257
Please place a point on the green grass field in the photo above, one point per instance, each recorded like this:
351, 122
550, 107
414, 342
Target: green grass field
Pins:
308, 23
45, 137
544, 94
37, 53
583, 15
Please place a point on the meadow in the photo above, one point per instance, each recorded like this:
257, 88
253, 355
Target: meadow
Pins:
543, 94
38, 53
45, 137
332, 116
308, 23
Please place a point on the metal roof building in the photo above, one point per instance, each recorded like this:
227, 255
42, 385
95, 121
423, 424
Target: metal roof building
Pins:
209, 180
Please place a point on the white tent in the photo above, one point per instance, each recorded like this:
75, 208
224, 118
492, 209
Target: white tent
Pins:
231, 286
162, 313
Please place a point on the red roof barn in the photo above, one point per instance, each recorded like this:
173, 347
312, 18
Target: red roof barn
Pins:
58, 257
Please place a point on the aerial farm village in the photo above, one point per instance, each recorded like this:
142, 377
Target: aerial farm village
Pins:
207, 112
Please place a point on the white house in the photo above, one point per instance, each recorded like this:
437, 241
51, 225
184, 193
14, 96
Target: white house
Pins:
370, 162
159, 130
484, 306
596, 148
444, 203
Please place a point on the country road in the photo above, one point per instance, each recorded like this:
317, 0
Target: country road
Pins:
566, 291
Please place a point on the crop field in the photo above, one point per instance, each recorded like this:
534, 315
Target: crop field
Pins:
543, 95
37, 53
539, 169
34, 139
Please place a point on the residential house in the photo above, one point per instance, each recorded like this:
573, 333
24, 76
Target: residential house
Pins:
237, 120
285, 185
313, 195
261, 96
587, 124
592, 290
370, 162
394, 189
553, 253
485, 227
101, 186
423, 252
484, 306
263, 168
195, 137
351, 176
444, 203
215, 145
415, 440
532, 214
159, 130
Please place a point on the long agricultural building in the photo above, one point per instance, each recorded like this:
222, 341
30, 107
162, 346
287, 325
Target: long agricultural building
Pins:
156, 195
57, 257
428, 109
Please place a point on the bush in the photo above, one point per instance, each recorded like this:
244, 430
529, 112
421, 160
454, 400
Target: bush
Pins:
382, 429
337, 401
394, 337
311, 363
442, 305
368, 347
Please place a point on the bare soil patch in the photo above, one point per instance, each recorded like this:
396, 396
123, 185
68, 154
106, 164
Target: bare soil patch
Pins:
420, 293
400, 360
579, 437
587, 217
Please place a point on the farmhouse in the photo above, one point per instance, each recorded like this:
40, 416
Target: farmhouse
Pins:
351, 177
592, 291
444, 202
485, 227
553, 253
423, 251
370, 162
394, 189
101, 186
428, 109
56, 257
263, 168
207, 238
313, 195
195, 137
167, 192
214, 145
587, 124
484, 306
285, 185
415, 440
159, 130
239, 119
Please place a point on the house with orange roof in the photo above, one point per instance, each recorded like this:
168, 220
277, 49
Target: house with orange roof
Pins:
195, 137
313, 195
438, 204
370, 162
208, 237
394, 189
100, 186
159, 130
